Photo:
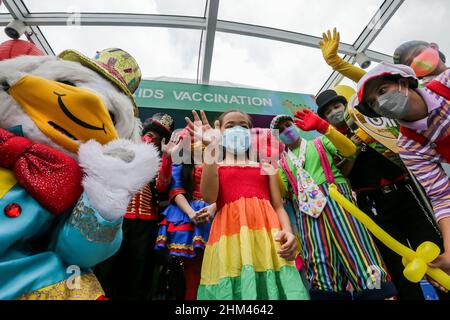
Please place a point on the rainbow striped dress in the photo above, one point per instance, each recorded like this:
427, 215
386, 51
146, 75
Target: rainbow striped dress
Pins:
241, 260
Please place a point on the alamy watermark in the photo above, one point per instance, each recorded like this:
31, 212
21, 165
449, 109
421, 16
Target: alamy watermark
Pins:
74, 19
73, 282
208, 148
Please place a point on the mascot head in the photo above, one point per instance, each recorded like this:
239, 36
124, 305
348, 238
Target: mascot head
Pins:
70, 99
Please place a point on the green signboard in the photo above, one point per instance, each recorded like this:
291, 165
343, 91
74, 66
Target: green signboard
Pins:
185, 96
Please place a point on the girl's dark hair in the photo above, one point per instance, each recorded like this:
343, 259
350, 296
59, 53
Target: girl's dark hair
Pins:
188, 181
222, 116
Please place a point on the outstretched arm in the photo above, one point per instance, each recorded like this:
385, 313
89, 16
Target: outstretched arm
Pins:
113, 173
164, 175
307, 121
436, 184
289, 248
209, 186
344, 145
330, 45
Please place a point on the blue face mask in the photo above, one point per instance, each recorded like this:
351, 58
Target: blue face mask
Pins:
236, 140
290, 135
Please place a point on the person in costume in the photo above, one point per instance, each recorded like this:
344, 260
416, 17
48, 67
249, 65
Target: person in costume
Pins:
15, 48
336, 248
185, 228
67, 171
393, 91
128, 274
417, 54
384, 191
424, 58
251, 248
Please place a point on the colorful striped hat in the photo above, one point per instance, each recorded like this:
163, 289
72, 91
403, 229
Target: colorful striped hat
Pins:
116, 65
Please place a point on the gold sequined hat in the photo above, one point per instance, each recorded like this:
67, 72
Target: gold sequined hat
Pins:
116, 65
161, 123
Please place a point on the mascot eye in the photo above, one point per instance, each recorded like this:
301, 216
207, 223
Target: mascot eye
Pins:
69, 83
5, 85
113, 118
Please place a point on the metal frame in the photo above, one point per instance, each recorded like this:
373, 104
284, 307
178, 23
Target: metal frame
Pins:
18, 11
209, 25
209, 35
371, 31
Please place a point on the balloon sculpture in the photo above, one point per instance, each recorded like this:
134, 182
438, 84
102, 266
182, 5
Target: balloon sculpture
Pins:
345, 91
415, 262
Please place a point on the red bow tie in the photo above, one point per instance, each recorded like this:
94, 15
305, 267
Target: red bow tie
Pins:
51, 177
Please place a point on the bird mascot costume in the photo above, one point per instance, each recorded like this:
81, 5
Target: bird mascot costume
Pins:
70, 160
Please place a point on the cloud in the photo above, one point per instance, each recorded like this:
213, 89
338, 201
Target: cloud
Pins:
268, 64
159, 51
172, 7
163, 52
304, 16
417, 20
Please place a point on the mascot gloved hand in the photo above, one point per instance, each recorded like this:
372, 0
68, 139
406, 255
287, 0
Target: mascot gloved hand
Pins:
330, 46
70, 160
114, 171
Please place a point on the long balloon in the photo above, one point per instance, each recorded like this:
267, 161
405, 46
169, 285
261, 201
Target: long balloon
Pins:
415, 262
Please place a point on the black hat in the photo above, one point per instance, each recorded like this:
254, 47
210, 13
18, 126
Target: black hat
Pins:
160, 123
326, 98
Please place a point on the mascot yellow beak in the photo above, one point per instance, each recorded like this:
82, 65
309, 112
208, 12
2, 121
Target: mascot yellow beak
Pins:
68, 115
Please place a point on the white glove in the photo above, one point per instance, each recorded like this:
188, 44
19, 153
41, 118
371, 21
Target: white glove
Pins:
115, 172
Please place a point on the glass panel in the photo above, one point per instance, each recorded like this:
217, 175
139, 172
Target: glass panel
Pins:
159, 51
268, 64
167, 7
4, 14
3, 9
304, 16
4, 37
416, 20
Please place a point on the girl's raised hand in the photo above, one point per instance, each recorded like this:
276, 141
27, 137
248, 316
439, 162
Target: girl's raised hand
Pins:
201, 129
168, 148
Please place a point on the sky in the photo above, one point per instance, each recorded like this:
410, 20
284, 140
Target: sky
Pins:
254, 62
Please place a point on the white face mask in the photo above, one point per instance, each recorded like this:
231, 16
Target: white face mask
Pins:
336, 117
236, 140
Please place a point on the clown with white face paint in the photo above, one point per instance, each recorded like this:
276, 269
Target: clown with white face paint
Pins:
70, 160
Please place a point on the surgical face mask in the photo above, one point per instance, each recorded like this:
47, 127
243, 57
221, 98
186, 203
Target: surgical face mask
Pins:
236, 140
393, 105
336, 117
426, 62
290, 135
68, 115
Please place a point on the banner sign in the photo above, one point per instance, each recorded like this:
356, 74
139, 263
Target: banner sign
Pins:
186, 96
